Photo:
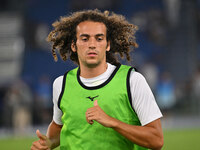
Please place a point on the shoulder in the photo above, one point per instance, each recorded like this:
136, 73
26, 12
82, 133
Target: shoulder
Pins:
59, 79
58, 82
136, 76
137, 80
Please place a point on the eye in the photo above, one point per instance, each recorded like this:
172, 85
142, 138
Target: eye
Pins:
84, 39
99, 39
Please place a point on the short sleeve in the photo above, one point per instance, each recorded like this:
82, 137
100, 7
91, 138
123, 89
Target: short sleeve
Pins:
57, 113
143, 100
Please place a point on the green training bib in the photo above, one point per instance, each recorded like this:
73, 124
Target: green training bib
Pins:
113, 97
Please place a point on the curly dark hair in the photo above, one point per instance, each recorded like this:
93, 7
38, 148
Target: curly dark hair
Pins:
120, 33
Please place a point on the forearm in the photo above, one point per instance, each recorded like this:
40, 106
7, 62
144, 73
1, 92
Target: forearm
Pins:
146, 136
53, 133
149, 136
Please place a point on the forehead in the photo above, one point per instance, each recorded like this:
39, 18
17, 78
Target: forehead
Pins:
91, 28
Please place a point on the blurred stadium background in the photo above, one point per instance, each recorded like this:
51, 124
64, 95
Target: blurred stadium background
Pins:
168, 56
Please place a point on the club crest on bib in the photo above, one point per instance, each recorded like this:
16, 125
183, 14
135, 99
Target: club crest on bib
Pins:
92, 98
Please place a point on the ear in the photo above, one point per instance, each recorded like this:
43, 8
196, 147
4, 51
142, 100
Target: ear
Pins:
73, 46
108, 46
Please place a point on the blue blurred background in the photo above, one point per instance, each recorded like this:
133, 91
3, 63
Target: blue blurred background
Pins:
168, 56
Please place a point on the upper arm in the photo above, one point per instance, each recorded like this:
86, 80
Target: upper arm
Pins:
54, 130
156, 124
156, 130
53, 133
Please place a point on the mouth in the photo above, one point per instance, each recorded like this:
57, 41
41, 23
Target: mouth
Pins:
91, 54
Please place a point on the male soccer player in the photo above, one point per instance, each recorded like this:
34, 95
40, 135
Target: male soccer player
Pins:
101, 104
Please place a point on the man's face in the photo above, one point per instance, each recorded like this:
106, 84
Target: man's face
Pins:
91, 44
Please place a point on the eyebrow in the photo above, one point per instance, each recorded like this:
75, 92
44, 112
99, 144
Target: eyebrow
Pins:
87, 35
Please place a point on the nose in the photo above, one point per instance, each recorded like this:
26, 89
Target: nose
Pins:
92, 43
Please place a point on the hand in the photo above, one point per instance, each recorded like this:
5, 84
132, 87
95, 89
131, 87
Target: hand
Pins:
97, 114
43, 143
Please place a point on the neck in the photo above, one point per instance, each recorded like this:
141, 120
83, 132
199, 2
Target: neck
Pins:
92, 71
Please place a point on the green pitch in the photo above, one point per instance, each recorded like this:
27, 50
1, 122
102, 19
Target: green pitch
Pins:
182, 139
174, 140
14, 143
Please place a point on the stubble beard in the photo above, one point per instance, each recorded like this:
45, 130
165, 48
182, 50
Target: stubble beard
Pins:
92, 65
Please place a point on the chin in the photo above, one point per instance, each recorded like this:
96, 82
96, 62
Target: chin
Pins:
92, 64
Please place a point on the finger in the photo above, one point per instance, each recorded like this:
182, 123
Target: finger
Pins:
90, 110
89, 121
40, 135
37, 146
34, 145
43, 142
40, 148
95, 103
